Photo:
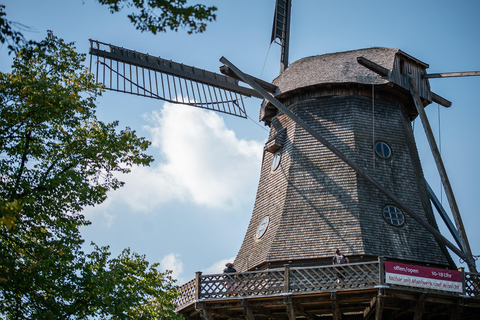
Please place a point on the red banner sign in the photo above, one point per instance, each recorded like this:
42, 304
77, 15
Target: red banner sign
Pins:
424, 277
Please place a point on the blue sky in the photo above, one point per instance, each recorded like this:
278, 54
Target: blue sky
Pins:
191, 208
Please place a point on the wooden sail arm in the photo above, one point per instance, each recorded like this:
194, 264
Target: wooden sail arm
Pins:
170, 67
264, 84
350, 163
451, 74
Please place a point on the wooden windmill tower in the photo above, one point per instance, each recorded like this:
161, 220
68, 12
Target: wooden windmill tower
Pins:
340, 170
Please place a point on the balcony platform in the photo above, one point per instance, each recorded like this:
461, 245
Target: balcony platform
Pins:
314, 293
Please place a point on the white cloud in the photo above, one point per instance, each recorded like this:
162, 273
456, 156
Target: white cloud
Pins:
217, 267
198, 159
172, 262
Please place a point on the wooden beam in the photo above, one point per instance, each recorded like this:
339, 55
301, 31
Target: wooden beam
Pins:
247, 311
264, 84
345, 159
379, 308
368, 311
456, 312
203, 311
337, 315
420, 307
443, 175
301, 310
289, 307
451, 74
373, 66
438, 205
440, 100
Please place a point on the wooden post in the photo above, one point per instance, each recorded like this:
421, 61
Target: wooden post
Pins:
379, 308
381, 271
420, 307
289, 308
337, 315
464, 280
287, 278
198, 276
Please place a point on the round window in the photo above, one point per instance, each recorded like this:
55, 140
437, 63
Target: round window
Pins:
262, 227
277, 157
394, 216
382, 149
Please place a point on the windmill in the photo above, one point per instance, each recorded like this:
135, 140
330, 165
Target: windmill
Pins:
326, 182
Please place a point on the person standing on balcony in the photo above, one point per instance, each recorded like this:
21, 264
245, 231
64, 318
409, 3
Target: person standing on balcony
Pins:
338, 259
230, 283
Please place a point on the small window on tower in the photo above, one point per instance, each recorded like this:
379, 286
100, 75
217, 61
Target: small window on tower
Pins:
382, 149
277, 157
402, 67
394, 216
262, 228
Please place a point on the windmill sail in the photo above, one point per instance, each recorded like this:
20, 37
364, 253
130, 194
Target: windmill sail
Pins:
281, 29
141, 74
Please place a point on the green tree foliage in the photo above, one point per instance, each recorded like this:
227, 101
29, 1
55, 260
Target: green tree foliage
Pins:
146, 15
161, 15
56, 158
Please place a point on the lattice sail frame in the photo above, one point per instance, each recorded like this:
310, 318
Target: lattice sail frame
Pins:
128, 71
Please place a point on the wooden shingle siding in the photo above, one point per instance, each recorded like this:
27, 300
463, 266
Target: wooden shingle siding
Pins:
316, 203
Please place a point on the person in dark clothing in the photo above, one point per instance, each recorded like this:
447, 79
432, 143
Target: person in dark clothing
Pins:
338, 259
230, 282
229, 268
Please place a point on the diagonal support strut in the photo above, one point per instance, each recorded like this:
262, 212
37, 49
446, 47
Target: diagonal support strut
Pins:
443, 175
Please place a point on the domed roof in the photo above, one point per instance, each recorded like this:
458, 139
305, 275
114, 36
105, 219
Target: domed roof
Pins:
341, 67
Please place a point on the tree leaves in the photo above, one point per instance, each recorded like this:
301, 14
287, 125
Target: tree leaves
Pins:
56, 157
161, 15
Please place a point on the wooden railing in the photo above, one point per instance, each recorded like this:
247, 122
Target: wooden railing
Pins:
278, 281
273, 282
472, 284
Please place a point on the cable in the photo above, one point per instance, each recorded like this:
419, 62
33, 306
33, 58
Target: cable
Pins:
265, 62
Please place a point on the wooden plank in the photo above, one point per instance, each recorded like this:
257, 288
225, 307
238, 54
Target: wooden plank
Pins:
451, 74
440, 100
443, 175
350, 163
